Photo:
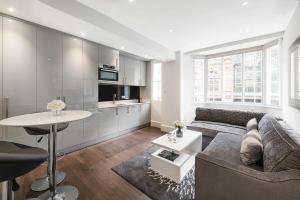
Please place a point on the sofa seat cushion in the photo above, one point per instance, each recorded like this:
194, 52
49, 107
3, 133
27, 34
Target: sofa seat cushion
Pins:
281, 145
227, 147
211, 129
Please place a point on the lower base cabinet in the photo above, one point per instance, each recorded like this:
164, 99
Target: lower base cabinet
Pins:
105, 123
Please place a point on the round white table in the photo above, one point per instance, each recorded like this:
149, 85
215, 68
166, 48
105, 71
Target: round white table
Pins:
47, 118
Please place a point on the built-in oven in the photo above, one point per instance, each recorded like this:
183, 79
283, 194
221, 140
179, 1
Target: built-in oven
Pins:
110, 75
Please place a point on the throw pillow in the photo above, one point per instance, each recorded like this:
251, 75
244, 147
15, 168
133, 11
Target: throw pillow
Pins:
251, 148
252, 124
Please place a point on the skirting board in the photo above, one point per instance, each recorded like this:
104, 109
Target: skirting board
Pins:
156, 124
166, 128
99, 140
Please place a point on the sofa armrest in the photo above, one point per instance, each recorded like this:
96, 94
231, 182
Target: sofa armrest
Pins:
217, 179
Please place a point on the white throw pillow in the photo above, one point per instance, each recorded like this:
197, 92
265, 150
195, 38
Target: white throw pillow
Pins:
252, 124
251, 148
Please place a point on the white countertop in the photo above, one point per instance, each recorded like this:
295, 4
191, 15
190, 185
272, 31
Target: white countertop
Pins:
118, 104
45, 118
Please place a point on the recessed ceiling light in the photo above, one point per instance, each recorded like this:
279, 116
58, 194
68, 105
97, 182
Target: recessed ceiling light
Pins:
245, 3
10, 9
9, 20
82, 34
131, 1
171, 30
122, 47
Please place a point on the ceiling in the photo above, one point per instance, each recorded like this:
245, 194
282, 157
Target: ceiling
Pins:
142, 27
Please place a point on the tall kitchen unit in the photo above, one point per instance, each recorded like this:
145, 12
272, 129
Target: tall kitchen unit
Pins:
19, 74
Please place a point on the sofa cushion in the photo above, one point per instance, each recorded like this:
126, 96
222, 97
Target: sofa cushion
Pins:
235, 117
252, 124
251, 147
281, 145
227, 147
211, 129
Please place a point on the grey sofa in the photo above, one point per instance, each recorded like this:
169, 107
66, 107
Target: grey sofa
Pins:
219, 172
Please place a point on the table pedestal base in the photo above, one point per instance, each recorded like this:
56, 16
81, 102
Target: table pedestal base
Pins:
64, 192
43, 183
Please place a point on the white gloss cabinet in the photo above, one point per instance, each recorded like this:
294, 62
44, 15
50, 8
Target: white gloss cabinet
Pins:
124, 118
73, 87
90, 89
108, 121
143, 73
49, 72
19, 74
49, 67
2, 115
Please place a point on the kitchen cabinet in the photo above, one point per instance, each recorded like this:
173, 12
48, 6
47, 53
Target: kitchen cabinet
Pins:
19, 74
129, 71
90, 89
109, 57
122, 70
108, 121
2, 103
143, 73
124, 118
144, 114
49, 67
132, 71
73, 87
49, 72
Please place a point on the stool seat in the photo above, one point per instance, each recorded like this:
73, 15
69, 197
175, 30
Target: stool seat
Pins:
17, 159
44, 130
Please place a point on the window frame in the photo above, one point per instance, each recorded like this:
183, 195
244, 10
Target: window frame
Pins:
263, 49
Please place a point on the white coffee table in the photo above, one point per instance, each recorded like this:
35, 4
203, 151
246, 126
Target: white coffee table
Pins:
187, 147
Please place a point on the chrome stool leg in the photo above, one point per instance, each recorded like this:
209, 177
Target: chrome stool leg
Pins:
62, 192
43, 183
7, 193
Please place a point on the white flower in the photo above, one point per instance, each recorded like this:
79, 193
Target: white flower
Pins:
178, 124
56, 105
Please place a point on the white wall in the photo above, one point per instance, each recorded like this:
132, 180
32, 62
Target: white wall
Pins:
171, 92
290, 114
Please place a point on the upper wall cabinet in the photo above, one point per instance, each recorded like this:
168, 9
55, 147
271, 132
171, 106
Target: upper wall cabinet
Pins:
19, 73
109, 57
143, 75
49, 66
132, 71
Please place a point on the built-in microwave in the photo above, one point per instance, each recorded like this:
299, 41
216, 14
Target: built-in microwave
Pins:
108, 75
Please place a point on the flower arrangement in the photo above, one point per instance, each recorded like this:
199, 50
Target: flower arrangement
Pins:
178, 124
56, 106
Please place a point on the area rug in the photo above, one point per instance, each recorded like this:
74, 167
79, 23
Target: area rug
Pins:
137, 171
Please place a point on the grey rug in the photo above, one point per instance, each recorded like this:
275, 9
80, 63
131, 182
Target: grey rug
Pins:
137, 171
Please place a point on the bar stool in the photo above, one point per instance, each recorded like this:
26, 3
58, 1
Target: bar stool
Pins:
42, 183
17, 160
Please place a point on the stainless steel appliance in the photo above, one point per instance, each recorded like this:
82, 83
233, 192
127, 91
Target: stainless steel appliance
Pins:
108, 74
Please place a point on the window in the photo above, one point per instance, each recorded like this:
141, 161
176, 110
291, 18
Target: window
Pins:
253, 77
156, 82
199, 80
239, 78
273, 76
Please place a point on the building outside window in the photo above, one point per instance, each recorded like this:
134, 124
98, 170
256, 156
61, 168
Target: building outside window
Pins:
239, 78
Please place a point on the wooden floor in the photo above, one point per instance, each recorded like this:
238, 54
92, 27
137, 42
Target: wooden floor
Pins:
90, 169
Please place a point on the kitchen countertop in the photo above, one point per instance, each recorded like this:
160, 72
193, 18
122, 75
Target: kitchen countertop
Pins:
119, 104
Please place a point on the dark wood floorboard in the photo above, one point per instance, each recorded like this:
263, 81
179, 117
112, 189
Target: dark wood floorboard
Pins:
90, 169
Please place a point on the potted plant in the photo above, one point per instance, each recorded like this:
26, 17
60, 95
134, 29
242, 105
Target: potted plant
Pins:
179, 126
